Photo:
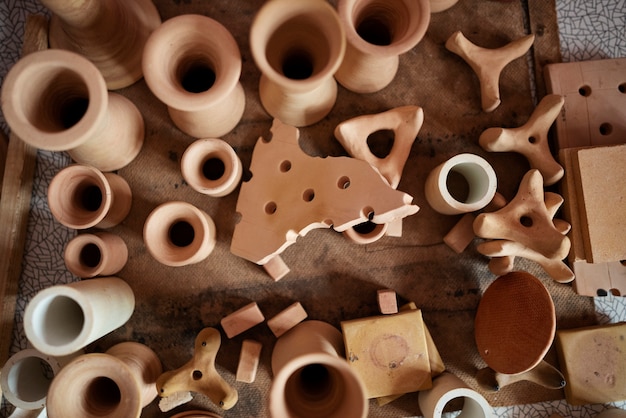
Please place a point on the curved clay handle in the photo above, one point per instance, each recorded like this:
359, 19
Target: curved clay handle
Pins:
543, 374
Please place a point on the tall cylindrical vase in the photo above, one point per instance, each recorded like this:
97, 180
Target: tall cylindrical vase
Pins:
118, 383
62, 319
58, 101
377, 33
82, 197
192, 64
98, 254
110, 33
311, 376
297, 46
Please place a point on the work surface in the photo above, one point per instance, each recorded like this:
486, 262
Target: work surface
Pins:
332, 278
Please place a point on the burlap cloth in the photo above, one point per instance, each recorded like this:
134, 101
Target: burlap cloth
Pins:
334, 279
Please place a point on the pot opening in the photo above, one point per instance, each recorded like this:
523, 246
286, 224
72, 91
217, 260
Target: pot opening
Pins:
88, 197
315, 390
30, 378
382, 22
64, 102
196, 75
102, 397
375, 30
181, 234
213, 168
471, 182
457, 186
90, 255
297, 65
58, 320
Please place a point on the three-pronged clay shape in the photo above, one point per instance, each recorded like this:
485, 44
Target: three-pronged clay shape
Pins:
199, 374
530, 139
405, 122
291, 193
488, 63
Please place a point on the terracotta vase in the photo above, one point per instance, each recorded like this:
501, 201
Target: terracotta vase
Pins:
211, 166
178, 233
26, 377
464, 183
297, 46
98, 254
447, 387
118, 383
63, 319
110, 33
192, 64
311, 376
82, 197
377, 33
57, 100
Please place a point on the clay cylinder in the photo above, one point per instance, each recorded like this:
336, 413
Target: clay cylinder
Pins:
447, 387
366, 232
297, 46
377, 33
464, 183
110, 33
58, 101
212, 167
192, 64
178, 233
311, 377
82, 197
26, 377
62, 319
99, 254
118, 383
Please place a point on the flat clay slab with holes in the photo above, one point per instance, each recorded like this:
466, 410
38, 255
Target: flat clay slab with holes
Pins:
334, 279
594, 112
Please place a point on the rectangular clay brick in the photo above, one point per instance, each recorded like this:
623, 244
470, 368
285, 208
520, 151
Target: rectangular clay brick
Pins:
248, 361
387, 301
242, 320
287, 319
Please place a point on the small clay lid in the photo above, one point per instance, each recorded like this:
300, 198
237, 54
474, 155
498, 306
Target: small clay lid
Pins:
515, 323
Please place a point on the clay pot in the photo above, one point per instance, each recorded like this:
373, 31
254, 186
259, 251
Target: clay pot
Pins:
311, 376
437, 6
378, 32
297, 46
212, 167
464, 183
57, 100
178, 233
447, 387
110, 33
26, 377
192, 64
82, 197
118, 383
62, 319
99, 254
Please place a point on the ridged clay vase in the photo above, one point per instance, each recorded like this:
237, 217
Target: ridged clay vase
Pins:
110, 33
97, 254
115, 384
377, 33
82, 197
297, 46
57, 100
192, 64
211, 166
178, 233
312, 377
63, 319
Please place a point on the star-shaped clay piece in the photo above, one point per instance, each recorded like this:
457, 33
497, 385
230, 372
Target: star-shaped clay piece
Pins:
530, 139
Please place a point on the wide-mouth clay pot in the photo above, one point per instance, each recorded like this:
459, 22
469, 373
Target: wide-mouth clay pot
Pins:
98, 254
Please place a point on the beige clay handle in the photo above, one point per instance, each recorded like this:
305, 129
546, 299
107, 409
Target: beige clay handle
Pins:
543, 374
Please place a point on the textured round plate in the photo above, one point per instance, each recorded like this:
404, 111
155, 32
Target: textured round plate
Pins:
515, 323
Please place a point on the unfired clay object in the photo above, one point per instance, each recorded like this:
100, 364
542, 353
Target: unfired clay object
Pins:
57, 100
192, 64
297, 46
178, 233
525, 227
311, 379
437, 6
249, 359
118, 383
530, 139
337, 191
488, 63
199, 374
62, 319
98, 254
448, 387
82, 197
479, 177
211, 166
110, 33
377, 33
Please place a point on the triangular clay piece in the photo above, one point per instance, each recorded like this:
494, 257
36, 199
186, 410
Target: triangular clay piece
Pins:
291, 193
